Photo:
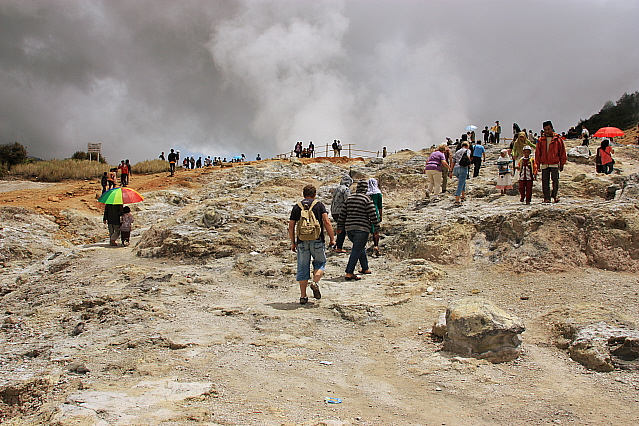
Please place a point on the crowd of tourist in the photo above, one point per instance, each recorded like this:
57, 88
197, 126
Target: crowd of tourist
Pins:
359, 215
309, 152
526, 157
191, 163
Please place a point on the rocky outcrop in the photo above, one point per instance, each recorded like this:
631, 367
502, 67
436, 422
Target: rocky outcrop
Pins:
25, 236
479, 329
579, 154
630, 189
20, 398
596, 337
190, 241
123, 406
602, 347
599, 234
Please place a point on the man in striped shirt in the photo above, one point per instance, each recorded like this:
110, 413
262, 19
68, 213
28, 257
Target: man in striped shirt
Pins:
356, 217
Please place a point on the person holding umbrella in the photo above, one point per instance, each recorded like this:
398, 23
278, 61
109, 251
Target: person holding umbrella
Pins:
111, 217
114, 201
550, 154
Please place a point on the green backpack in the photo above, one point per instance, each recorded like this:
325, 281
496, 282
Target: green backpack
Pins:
308, 227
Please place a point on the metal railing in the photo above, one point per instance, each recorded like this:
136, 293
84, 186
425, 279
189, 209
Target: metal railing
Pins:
330, 152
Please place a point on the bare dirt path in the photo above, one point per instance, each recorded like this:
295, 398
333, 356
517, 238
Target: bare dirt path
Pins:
252, 355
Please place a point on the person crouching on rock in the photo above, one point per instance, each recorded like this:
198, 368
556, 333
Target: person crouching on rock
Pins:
603, 160
356, 219
309, 241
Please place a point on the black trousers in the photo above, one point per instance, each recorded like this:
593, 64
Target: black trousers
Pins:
476, 166
548, 174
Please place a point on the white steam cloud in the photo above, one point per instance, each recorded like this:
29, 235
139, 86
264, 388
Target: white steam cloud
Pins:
248, 76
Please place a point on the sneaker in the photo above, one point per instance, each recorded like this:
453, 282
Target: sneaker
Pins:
303, 300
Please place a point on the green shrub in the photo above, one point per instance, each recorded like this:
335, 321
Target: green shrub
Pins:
81, 155
12, 154
622, 114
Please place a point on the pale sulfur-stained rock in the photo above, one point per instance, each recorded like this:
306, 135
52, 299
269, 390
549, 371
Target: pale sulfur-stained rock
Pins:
439, 327
602, 347
579, 154
147, 402
630, 190
477, 328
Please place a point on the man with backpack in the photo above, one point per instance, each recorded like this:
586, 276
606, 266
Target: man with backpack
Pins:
306, 226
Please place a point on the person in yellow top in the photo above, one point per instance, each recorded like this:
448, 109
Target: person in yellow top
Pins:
519, 143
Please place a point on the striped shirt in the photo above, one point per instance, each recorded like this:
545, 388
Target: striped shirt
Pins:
358, 213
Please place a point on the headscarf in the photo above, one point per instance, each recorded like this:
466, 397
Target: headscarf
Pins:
518, 144
516, 128
372, 187
347, 181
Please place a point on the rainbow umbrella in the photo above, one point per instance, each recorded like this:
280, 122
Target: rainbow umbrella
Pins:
120, 196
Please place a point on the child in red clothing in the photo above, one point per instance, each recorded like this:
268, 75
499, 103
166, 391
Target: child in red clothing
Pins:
527, 174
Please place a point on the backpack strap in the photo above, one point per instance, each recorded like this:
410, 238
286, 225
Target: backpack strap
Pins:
301, 206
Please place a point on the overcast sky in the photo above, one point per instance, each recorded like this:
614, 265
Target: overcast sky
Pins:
224, 77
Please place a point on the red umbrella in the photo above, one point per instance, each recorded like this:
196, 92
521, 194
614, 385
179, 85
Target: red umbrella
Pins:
608, 132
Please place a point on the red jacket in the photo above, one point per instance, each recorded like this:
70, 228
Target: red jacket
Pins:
555, 153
